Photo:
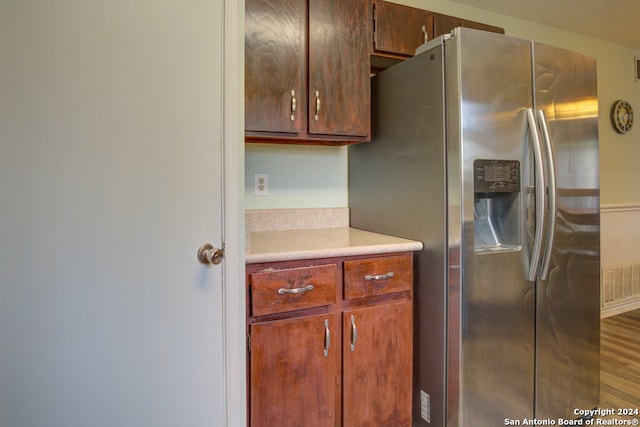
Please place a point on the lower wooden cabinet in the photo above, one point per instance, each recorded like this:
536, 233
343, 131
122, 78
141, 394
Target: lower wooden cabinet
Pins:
343, 361
293, 372
376, 366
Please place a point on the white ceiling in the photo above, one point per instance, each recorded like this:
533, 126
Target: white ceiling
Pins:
615, 21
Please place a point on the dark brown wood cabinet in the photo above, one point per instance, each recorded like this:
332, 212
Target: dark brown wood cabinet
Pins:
293, 372
397, 31
308, 63
275, 65
307, 71
317, 359
376, 373
443, 24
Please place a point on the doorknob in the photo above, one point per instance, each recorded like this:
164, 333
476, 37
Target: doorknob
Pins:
207, 254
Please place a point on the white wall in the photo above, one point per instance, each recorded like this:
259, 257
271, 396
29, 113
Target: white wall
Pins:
324, 180
299, 176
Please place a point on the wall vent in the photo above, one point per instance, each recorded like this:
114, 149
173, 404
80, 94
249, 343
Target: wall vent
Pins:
620, 283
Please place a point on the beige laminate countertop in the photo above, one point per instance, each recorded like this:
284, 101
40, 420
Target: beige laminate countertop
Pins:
287, 245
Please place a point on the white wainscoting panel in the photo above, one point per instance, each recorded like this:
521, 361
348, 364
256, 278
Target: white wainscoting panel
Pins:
620, 258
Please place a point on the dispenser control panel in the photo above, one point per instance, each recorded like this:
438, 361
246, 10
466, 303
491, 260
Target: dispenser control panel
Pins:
496, 176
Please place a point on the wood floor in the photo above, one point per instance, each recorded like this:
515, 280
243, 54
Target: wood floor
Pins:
620, 363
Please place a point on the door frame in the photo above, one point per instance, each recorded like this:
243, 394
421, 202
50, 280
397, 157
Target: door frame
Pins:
233, 303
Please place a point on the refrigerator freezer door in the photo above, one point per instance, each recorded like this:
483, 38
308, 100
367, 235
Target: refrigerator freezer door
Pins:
491, 354
568, 318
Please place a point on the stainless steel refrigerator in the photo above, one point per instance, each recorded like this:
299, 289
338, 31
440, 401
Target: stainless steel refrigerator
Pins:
485, 148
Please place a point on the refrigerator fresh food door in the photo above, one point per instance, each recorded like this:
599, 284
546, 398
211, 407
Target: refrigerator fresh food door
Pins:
491, 194
568, 316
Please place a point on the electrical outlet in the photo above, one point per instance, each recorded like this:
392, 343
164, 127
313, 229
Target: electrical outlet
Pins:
261, 184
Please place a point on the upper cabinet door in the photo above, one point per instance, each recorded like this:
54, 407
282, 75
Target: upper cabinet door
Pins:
275, 65
339, 87
400, 29
444, 24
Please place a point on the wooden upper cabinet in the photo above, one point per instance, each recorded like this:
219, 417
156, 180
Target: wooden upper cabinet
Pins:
307, 71
400, 29
275, 65
339, 86
443, 24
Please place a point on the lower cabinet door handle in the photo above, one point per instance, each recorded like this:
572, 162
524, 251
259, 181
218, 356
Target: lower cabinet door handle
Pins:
327, 337
354, 333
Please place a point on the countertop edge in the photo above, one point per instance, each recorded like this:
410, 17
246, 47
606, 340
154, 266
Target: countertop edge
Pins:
330, 253
293, 254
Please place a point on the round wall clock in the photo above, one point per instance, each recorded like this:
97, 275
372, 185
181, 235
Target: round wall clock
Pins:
622, 116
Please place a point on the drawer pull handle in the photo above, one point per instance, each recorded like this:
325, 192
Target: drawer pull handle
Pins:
327, 338
283, 291
389, 275
354, 333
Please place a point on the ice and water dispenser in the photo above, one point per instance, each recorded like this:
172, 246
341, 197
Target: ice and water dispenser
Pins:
497, 205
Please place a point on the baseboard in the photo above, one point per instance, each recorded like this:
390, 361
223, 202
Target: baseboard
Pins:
619, 309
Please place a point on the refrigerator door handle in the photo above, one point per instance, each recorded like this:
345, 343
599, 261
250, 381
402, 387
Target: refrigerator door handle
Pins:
540, 187
551, 175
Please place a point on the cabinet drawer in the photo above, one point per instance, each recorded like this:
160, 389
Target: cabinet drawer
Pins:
377, 276
277, 291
